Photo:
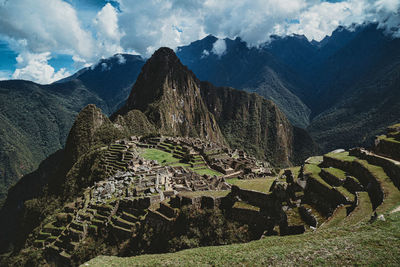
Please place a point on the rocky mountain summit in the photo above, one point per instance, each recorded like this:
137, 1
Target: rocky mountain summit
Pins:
168, 93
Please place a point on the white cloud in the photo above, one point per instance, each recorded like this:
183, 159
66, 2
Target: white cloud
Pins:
205, 53
219, 47
44, 26
149, 24
106, 22
5, 75
108, 34
321, 19
34, 67
387, 14
54, 26
121, 59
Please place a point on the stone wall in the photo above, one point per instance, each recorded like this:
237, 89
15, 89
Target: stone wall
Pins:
255, 198
324, 198
330, 178
388, 148
391, 168
366, 178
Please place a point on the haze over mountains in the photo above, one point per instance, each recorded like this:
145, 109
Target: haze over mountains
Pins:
344, 90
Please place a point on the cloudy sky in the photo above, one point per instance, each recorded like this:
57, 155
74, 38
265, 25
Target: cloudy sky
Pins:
46, 40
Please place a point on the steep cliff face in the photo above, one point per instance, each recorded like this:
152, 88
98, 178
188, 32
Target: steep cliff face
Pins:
134, 123
168, 98
251, 122
169, 95
81, 136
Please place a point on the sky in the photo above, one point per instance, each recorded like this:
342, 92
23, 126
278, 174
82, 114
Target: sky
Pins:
46, 40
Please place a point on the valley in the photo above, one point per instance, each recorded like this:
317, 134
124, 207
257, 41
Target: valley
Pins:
322, 88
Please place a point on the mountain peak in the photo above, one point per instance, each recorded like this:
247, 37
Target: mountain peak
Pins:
163, 72
168, 93
165, 57
164, 52
80, 138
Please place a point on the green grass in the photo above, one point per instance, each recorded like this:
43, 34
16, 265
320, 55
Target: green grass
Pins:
336, 172
388, 139
294, 217
315, 160
362, 212
376, 244
345, 193
313, 171
392, 194
344, 156
337, 217
244, 205
295, 172
258, 184
163, 158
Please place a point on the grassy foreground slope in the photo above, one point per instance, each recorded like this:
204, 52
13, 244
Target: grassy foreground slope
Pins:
362, 244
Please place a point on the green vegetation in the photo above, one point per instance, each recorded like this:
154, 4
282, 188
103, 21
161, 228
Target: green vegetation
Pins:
394, 127
362, 212
362, 244
392, 195
345, 193
313, 171
163, 158
244, 205
294, 217
258, 184
315, 160
336, 172
337, 218
344, 156
207, 171
389, 139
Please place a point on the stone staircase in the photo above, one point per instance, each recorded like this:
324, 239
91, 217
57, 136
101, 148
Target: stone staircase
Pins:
117, 158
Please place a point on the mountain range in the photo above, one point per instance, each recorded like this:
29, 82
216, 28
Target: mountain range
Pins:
343, 91
167, 99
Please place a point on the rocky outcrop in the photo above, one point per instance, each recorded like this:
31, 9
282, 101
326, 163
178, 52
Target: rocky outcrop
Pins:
256, 125
88, 128
168, 93
134, 123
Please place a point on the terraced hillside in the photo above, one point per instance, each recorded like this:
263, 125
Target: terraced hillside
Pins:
346, 203
150, 181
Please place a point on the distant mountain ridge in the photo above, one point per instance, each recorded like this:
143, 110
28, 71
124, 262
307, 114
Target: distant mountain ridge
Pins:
249, 69
36, 118
333, 88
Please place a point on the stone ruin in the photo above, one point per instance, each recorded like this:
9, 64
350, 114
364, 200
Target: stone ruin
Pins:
338, 188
